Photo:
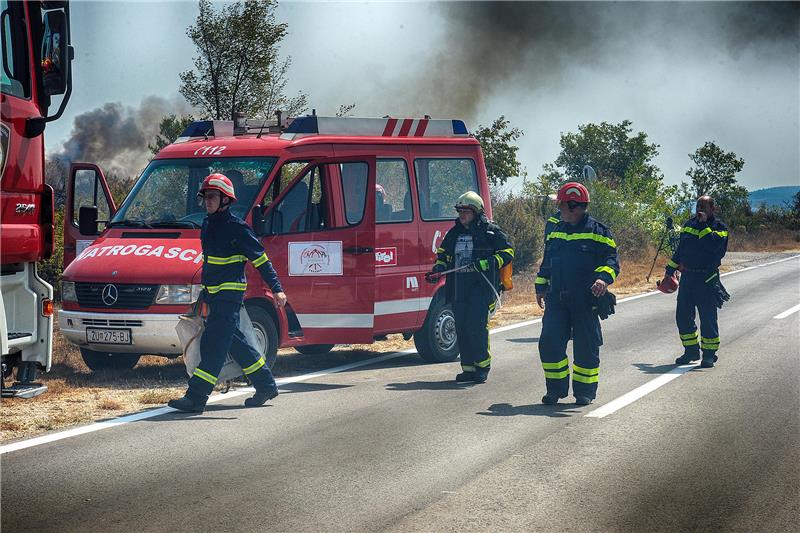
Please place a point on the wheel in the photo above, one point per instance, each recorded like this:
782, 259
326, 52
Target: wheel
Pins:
97, 361
315, 349
266, 333
436, 342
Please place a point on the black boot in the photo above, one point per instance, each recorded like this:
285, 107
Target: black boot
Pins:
688, 356
550, 399
187, 405
709, 358
465, 377
261, 397
481, 375
583, 400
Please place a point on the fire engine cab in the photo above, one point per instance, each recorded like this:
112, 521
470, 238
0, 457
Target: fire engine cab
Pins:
350, 211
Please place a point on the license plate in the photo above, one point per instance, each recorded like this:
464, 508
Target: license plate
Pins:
108, 336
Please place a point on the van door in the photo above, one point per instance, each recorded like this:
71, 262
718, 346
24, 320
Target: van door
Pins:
321, 235
86, 187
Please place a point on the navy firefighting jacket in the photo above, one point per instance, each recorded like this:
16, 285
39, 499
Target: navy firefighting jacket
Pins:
576, 256
701, 247
228, 243
489, 242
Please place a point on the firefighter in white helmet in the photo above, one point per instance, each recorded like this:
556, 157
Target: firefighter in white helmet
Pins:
481, 248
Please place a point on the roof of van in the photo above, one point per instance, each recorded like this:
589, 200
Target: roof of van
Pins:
316, 130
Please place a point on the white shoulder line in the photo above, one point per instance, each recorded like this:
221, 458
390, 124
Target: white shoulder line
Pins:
97, 426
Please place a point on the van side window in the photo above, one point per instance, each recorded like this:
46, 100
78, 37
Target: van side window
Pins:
89, 192
439, 184
392, 192
354, 187
303, 207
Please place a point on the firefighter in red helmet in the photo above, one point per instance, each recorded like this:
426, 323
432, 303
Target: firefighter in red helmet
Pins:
580, 262
228, 242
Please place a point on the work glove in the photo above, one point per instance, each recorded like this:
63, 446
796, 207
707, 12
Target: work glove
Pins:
432, 277
481, 265
437, 268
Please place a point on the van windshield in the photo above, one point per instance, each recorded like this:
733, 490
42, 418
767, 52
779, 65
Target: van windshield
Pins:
166, 193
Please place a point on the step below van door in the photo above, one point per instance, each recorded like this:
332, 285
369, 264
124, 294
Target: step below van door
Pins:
319, 233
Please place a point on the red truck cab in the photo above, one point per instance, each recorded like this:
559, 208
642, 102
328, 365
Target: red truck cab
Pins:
36, 55
349, 210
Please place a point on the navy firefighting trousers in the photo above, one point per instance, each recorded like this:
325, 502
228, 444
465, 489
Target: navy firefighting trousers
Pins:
566, 314
222, 336
471, 310
697, 290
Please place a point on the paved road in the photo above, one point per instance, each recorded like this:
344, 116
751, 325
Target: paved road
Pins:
400, 446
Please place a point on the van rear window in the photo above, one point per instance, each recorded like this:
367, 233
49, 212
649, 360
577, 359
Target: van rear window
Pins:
440, 182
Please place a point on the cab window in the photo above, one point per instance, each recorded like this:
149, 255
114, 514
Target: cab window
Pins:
439, 184
89, 192
302, 209
392, 192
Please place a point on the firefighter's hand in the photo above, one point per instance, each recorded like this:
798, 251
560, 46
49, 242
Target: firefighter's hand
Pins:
432, 277
540, 299
599, 288
280, 298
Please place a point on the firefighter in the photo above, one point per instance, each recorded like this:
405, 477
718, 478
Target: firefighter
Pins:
703, 243
580, 262
228, 242
479, 248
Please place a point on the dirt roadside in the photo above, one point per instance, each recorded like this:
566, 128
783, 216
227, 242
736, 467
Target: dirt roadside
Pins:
78, 396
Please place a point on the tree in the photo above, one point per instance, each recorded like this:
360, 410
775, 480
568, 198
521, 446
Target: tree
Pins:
237, 67
714, 174
546, 183
499, 152
275, 99
169, 129
617, 155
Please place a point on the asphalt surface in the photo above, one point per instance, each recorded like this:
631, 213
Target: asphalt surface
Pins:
401, 446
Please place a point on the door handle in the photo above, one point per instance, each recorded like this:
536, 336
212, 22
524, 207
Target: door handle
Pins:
356, 250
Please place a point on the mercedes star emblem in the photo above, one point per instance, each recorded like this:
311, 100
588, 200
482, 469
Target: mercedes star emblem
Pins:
110, 295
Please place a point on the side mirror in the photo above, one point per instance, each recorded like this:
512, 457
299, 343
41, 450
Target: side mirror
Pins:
55, 53
259, 222
87, 220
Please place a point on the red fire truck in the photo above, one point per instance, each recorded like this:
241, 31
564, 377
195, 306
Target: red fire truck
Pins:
350, 210
36, 65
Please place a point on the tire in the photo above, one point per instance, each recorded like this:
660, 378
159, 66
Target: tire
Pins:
436, 342
266, 333
314, 349
97, 361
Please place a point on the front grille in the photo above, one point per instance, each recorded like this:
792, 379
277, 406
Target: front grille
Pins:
115, 323
127, 296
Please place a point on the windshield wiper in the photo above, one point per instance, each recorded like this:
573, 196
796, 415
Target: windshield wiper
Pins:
175, 224
130, 224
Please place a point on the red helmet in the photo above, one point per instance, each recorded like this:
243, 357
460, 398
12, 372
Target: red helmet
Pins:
668, 285
218, 182
573, 192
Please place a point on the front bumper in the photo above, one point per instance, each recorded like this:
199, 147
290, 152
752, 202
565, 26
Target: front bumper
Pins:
150, 333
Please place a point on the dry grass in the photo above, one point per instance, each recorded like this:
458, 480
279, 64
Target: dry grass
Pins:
76, 395
775, 239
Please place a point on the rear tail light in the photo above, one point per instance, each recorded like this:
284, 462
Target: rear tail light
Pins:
47, 307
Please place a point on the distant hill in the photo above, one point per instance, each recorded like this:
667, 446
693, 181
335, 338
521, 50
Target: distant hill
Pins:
773, 196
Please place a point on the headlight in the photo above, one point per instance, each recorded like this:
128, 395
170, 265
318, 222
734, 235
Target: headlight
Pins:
177, 294
68, 291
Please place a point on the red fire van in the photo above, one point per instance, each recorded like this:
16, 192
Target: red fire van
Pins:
350, 211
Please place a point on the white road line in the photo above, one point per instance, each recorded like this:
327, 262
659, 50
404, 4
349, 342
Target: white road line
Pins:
97, 426
630, 397
788, 312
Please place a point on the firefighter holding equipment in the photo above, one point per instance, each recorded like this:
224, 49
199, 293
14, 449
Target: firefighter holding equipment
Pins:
702, 245
477, 249
580, 262
228, 243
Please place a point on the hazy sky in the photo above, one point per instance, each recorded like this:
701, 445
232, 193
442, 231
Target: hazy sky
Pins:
684, 73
